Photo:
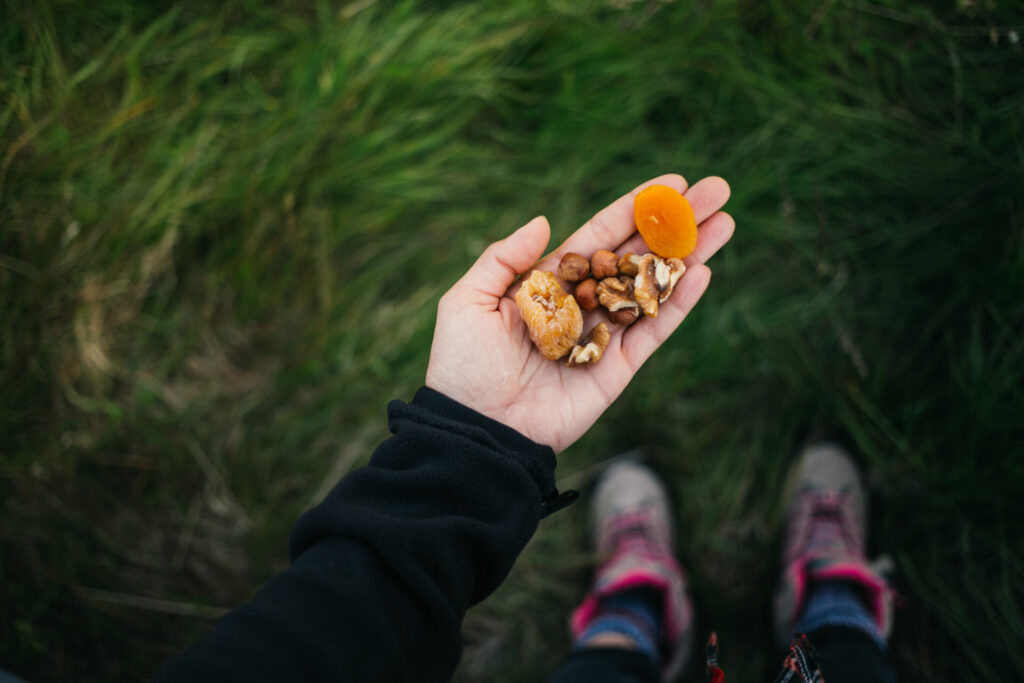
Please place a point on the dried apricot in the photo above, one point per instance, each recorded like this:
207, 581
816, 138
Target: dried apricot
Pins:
665, 221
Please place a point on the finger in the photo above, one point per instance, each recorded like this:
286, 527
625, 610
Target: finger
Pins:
612, 225
707, 196
498, 266
712, 235
643, 338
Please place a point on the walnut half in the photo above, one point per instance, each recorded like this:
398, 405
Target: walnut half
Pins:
591, 347
655, 279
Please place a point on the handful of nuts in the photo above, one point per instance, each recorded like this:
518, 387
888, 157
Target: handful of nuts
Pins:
625, 286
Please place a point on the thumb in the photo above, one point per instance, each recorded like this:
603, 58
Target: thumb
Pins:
500, 264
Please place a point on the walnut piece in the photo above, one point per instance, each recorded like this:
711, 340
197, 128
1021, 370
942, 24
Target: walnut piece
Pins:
629, 264
604, 264
655, 279
550, 313
586, 294
591, 348
573, 267
616, 293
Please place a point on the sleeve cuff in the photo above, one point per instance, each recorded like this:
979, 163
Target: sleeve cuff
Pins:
537, 459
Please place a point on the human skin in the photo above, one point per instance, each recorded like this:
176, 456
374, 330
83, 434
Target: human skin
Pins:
482, 355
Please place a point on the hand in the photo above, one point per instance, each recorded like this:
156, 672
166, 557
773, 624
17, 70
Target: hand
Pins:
482, 355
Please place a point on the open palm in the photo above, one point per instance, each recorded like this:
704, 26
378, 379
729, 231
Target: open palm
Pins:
482, 355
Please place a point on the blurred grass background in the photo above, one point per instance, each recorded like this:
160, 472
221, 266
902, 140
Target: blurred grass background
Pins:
224, 226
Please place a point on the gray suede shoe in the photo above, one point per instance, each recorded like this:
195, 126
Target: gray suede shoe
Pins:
633, 536
826, 539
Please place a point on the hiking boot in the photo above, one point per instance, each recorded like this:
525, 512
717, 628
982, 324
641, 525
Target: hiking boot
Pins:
826, 532
633, 536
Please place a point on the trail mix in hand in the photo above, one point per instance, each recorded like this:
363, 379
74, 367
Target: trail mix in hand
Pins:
624, 286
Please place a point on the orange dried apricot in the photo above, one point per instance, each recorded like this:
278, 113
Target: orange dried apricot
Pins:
665, 221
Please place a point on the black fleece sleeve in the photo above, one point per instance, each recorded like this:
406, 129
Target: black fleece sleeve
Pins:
385, 567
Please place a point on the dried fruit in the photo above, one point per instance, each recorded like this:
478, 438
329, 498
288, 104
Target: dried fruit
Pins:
586, 294
591, 348
550, 313
573, 267
604, 264
616, 293
654, 282
665, 221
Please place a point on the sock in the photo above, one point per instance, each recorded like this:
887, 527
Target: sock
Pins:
635, 613
838, 603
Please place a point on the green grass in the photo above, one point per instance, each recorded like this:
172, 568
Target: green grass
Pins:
223, 230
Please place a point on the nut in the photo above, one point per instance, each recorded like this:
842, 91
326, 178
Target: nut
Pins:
604, 264
629, 264
591, 348
573, 267
586, 294
655, 280
550, 313
624, 316
616, 293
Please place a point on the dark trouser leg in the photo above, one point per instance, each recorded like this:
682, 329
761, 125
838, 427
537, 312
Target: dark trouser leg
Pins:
848, 654
606, 665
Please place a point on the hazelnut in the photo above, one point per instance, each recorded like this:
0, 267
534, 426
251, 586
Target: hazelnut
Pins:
624, 316
655, 280
573, 267
604, 264
586, 294
591, 347
629, 264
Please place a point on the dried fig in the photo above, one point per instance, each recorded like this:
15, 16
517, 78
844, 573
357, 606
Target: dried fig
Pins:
550, 313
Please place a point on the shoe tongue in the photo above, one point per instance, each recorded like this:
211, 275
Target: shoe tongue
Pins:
638, 525
826, 534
